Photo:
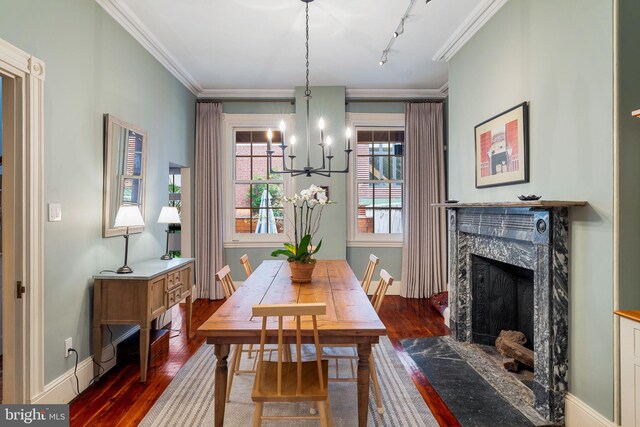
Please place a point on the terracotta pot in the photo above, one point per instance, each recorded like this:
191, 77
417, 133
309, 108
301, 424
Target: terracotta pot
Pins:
300, 272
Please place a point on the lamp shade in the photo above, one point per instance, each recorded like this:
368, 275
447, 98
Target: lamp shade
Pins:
169, 215
129, 216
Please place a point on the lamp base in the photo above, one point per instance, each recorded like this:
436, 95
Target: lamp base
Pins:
125, 269
165, 257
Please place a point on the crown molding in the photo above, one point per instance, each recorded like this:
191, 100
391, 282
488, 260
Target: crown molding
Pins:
394, 93
132, 24
444, 89
476, 20
247, 93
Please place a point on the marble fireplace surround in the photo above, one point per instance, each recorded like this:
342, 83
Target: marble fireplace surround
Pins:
531, 235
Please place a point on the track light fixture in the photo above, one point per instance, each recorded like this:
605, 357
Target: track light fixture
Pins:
397, 33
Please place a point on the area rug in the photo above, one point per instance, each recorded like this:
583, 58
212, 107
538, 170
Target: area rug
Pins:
188, 400
467, 394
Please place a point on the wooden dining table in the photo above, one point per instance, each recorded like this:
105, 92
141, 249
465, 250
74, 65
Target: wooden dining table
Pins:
350, 319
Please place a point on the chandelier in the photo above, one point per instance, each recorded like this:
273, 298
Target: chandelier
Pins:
325, 143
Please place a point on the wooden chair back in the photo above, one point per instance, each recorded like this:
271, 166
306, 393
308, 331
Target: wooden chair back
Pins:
368, 273
244, 260
224, 277
378, 296
280, 311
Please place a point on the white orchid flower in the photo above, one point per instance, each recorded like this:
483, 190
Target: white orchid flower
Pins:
305, 194
313, 202
322, 199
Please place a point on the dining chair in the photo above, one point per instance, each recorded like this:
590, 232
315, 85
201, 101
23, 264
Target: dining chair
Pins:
368, 272
244, 260
386, 280
224, 277
287, 381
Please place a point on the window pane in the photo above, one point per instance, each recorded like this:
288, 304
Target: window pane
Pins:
242, 195
381, 194
243, 168
243, 149
259, 136
276, 195
259, 168
243, 136
243, 221
395, 166
365, 136
380, 168
381, 135
260, 149
381, 149
396, 221
396, 195
381, 220
276, 164
396, 136
363, 166
279, 216
365, 208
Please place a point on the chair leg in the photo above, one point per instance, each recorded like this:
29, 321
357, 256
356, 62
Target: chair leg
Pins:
322, 411
329, 413
257, 415
376, 386
236, 368
250, 354
312, 409
232, 369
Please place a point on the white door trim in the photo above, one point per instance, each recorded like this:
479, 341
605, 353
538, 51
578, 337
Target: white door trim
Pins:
29, 72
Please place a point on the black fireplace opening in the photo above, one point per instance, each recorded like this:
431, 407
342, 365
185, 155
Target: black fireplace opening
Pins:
502, 300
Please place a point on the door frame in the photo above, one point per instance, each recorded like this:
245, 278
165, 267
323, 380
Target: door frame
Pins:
25, 76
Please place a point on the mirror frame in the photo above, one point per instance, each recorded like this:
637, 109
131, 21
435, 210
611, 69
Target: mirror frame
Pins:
109, 193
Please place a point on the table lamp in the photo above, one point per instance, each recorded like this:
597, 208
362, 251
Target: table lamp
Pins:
128, 216
168, 215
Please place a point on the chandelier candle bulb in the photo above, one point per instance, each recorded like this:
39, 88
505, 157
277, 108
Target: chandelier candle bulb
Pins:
329, 144
269, 138
293, 142
348, 138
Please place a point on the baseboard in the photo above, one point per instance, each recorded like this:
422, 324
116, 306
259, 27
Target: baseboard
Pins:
579, 414
63, 388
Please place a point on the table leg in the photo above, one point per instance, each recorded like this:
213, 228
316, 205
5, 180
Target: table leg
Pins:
97, 351
364, 350
220, 387
188, 319
144, 351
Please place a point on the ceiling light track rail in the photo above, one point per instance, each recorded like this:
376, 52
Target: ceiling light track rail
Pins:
397, 33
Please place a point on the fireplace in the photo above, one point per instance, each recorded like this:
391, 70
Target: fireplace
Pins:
509, 270
503, 300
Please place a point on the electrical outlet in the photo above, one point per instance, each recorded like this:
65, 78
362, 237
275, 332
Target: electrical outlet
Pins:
68, 343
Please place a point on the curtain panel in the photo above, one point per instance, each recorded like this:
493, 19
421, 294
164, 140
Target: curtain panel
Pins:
424, 247
208, 197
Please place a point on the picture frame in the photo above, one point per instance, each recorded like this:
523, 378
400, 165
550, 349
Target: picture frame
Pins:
502, 148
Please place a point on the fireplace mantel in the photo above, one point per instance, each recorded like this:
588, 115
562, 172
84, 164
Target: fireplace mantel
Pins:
544, 204
532, 235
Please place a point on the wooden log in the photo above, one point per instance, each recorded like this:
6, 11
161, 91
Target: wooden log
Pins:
508, 344
510, 364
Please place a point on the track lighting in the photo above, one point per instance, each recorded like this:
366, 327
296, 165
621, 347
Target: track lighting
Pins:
398, 32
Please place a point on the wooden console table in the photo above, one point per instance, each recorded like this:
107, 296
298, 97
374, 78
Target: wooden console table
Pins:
138, 298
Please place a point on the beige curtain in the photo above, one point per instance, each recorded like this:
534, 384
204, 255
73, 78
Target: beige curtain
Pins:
424, 249
208, 192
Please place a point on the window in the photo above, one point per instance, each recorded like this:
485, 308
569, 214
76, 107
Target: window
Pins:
375, 200
255, 214
258, 193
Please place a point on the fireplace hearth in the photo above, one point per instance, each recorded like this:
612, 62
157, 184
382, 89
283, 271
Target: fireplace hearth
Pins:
509, 270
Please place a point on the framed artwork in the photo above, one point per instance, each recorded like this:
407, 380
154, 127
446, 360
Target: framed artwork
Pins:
502, 148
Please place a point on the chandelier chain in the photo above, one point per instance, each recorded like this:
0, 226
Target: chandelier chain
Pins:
307, 92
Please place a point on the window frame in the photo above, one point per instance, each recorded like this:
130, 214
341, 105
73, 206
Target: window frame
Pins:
369, 121
241, 122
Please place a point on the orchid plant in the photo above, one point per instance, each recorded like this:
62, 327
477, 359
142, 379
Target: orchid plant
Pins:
307, 211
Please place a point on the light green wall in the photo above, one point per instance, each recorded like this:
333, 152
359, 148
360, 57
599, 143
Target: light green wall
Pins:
556, 54
93, 67
629, 54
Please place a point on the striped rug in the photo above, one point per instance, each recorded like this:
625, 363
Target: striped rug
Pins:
188, 400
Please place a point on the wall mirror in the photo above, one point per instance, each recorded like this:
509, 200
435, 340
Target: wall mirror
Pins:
125, 149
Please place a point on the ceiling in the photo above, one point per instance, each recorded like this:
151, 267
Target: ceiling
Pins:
217, 47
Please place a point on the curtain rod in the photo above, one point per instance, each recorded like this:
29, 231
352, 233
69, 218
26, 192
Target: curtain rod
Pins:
406, 101
219, 100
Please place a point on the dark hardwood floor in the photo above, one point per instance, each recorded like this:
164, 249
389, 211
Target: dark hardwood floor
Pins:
119, 399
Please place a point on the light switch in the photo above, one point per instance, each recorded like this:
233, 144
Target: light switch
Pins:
55, 212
